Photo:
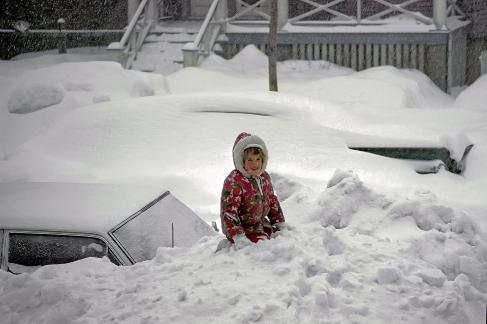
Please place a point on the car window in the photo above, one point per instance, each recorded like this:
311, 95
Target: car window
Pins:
152, 228
26, 252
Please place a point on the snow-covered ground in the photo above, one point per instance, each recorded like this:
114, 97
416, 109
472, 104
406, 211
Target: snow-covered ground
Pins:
371, 240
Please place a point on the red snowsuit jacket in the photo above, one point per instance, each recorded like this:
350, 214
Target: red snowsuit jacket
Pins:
249, 206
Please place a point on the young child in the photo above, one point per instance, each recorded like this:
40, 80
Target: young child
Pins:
250, 210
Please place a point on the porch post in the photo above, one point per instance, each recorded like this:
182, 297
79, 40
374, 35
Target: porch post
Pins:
132, 6
439, 14
222, 13
282, 13
190, 55
153, 11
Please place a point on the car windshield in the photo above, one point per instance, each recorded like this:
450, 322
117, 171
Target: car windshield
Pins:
166, 222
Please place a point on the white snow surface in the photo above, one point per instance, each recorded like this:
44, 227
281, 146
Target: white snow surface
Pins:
475, 96
370, 240
51, 89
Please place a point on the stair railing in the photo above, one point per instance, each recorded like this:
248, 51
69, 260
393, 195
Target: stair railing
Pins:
214, 24
144, 19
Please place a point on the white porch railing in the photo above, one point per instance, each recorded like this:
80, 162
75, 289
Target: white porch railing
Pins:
214, 23
141, 21
217, 18
441, 9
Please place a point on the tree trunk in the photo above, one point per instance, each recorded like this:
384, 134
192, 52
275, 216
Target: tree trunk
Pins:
273, 47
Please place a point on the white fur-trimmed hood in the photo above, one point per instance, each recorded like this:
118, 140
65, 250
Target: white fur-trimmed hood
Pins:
243, 142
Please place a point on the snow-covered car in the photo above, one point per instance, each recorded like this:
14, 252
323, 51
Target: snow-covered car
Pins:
52, 223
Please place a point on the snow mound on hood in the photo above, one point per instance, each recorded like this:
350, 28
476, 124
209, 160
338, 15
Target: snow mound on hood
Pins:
475, 96
31, 97
382, 87
81, 84
52, 91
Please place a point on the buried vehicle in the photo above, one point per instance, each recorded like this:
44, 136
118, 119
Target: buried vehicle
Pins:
52, 223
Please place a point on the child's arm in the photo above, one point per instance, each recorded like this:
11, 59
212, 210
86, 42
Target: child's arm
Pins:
230, 203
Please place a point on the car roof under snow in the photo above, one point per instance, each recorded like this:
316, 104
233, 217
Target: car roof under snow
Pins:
72, 207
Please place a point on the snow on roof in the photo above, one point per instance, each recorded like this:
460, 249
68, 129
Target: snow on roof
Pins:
77, 207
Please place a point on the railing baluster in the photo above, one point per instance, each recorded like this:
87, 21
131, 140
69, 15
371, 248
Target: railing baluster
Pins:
405, 56
383, 54
339, 54
360, 65
331, 53
421, 53
399, 55
316, 52
346, 55
324, 52
368, 56
353, 60
376, 52
294, 49
390, 54
302, 51
309, 52
414, 56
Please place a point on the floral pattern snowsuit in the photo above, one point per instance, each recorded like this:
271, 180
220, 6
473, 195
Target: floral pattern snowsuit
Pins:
249, 206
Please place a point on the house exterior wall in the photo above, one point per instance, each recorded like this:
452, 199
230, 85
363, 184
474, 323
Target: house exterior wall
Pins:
457, 58
199, 8
475, 47
476, 11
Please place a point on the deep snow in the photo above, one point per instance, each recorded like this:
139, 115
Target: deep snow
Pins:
371, 240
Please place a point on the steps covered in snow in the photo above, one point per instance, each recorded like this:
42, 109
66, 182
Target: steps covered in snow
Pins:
162, 49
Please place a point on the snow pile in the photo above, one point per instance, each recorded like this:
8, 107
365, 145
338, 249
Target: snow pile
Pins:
475, 96
34, 96
34, 60
248, 60
61, 88
346, 196
381, 244
384, 87
353, 274
98, 81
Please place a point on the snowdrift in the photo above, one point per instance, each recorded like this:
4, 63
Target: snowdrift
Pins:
407, 260
32, 101
475, 96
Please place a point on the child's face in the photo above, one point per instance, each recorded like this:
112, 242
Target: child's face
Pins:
253, 164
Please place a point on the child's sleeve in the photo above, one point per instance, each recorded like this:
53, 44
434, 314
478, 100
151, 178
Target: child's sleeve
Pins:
230, 203
275, 213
